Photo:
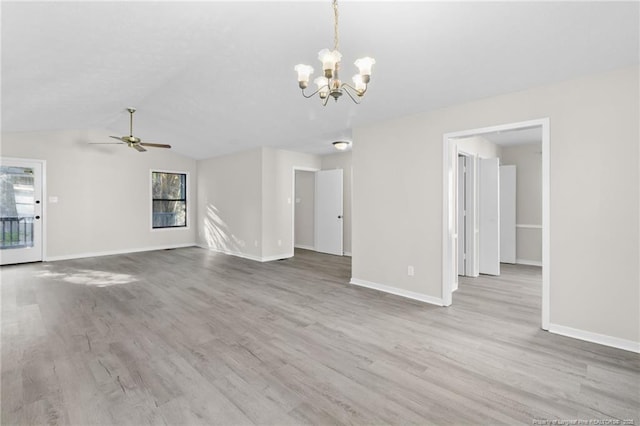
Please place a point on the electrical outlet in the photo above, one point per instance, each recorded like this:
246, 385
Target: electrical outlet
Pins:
410, 270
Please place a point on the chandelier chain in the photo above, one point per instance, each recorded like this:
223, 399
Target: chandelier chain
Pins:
335, 26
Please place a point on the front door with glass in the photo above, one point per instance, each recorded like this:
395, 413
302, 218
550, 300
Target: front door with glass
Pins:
20, 211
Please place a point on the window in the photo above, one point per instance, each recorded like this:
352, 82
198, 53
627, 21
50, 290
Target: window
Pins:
169, 199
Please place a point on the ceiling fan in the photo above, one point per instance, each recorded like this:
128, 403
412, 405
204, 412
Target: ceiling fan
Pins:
132, 141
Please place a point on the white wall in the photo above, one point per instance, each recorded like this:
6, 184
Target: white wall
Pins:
594, 223
305, 209
230, 204
277, 199
477, 145
245, 202
528, 161
104, 193
342, 160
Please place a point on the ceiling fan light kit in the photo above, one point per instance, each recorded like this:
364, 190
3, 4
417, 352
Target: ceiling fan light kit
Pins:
329, 84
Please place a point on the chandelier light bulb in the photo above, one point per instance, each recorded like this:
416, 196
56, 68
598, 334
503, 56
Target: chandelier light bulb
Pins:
329, 59
323, 86
304, 72
364, 67
359, 84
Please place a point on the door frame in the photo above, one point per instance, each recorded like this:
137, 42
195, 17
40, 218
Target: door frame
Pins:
294, 169
43, 214
449, 170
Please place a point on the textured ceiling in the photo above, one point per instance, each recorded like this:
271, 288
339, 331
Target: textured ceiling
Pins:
217, 77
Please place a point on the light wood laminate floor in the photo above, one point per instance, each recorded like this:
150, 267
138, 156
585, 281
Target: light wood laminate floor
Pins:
188, 336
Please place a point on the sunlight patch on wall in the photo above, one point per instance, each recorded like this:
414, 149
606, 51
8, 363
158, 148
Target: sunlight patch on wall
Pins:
217, 235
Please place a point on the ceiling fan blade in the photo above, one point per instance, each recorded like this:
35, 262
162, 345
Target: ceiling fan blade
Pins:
106, 143
116, 137
155, 145
137, 147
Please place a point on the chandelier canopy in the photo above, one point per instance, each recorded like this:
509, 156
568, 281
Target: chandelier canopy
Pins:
330, 84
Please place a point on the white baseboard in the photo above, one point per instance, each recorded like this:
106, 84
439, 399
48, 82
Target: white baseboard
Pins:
454, 286
528, 262
114, 252
246, 255
397, 291
614, 342
301, 246
276, 257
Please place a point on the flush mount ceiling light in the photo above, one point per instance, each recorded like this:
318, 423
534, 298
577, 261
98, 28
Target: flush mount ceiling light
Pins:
329, 84
341, 145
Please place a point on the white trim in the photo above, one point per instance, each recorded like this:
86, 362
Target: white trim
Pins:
276, 257
397, 291
304, 247
454, 287
187, 200
232, 253
601, 339
528, 262
347, 253
546, 225
246, 255
293, 204
447, 259
528, 226
447, 191
45, 203
114, 252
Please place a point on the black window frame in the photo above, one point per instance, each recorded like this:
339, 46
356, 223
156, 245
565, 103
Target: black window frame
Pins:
183, 200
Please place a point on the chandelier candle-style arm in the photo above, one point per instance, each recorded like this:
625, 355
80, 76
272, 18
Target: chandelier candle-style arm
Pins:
329, 83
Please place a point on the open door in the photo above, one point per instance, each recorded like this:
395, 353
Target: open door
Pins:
462, 209
328, 217
489, 212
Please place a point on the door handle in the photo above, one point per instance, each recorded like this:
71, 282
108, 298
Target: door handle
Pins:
37, 217
339, 217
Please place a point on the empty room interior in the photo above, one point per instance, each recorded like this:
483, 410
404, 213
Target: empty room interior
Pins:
320, 212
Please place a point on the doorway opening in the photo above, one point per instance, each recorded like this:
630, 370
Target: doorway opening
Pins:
455, 155
318, 210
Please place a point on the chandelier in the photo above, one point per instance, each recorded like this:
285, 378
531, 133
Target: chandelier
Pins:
329, 84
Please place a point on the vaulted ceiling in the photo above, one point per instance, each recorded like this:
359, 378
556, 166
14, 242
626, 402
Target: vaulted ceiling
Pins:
217, 77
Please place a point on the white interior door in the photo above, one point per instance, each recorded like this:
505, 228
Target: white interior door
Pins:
489, 212
20, 211
472, 264
461, 240
508, 214
328, 207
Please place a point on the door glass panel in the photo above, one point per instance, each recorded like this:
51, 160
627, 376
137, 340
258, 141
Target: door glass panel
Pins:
17, 207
